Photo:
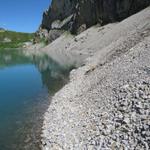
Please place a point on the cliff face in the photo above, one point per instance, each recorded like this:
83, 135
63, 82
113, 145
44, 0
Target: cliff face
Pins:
77, 15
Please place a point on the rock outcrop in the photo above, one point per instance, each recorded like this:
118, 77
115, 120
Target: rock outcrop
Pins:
77, 15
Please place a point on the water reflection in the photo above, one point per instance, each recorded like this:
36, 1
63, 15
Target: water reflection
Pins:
26, 82
53, 75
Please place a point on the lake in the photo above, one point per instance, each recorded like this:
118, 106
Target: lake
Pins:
26, 85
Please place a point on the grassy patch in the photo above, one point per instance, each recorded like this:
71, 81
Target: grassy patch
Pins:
16, 39
10, 45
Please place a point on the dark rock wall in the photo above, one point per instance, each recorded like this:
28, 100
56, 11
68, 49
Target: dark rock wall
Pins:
73, 14
59, 10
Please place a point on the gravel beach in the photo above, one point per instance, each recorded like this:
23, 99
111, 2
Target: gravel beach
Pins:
106, 104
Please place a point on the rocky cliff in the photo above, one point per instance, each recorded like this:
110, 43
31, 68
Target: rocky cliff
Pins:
77, 15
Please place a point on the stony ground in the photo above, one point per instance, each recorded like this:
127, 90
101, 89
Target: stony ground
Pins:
106, 104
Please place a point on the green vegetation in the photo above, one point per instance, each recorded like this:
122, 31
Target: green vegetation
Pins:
12, 39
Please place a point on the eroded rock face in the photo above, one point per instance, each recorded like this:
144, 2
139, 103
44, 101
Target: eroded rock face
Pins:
71, 15
57, 13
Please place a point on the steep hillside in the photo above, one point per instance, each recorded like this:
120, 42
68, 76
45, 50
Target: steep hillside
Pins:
77, 15
106, 103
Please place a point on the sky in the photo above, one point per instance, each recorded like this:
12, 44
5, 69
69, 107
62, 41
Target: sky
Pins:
22, 15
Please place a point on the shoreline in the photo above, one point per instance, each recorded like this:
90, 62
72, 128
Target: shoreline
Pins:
78, 117
83, 114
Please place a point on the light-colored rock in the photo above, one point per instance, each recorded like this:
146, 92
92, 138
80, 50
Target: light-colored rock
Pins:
106, 103
7, 40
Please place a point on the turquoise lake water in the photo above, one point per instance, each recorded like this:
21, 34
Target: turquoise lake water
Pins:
25, 85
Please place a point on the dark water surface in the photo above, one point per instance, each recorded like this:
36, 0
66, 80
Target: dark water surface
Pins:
25, 85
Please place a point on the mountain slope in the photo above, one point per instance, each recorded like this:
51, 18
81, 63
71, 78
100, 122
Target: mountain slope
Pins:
78, 15
106, 103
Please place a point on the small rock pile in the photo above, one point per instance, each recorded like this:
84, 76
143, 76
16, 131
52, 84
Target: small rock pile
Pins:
128, 124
